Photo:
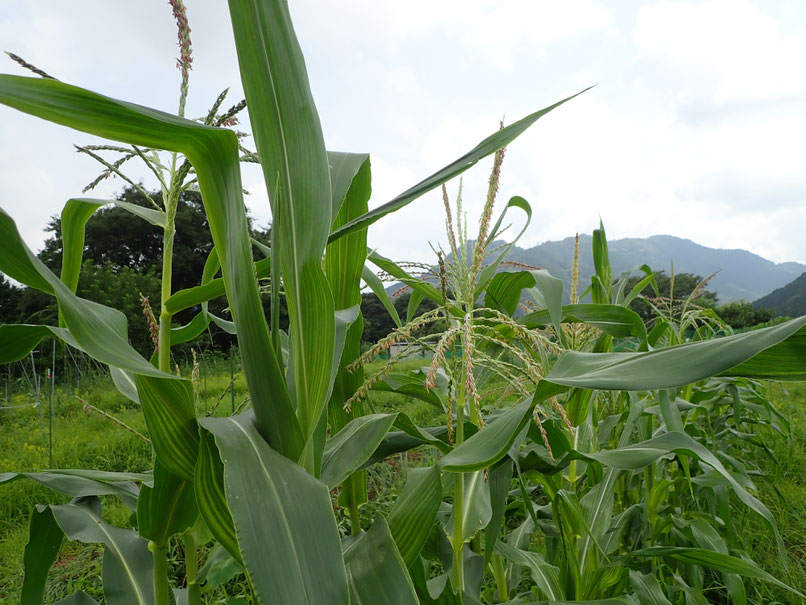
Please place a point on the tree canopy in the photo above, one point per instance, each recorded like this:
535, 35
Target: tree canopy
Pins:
122, 259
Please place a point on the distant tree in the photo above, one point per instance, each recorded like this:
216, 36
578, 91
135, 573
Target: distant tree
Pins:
122, 258
741, 314
684, 285
10, 297
378, 323
115, 238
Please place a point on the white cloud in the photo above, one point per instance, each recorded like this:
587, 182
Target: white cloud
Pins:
695, 130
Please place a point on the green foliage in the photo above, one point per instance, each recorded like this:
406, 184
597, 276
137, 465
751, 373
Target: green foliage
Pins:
634, 494
684, 285
742, 314
378, 323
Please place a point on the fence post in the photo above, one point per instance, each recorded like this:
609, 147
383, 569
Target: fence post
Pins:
52, 397
232, 379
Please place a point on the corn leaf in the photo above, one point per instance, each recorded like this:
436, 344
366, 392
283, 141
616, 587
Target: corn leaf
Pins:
283, 518
715, 560
292, 152
348, 449
45, 539
414, 511
488, 146
127, 566
214, 155
376, 572
751, 354
166, 509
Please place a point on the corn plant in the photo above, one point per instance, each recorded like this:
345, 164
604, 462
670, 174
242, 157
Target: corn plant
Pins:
259, 481
628, 504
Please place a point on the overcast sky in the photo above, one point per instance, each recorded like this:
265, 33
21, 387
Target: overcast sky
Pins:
697, 127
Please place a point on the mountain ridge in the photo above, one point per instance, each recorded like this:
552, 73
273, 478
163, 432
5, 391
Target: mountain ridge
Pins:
740, 274
787, 300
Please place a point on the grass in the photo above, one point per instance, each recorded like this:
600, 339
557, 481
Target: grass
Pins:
785, 496
84, 440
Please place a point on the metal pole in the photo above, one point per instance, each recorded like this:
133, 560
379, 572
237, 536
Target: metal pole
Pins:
52, 398
204, 380
232, 379
38, 399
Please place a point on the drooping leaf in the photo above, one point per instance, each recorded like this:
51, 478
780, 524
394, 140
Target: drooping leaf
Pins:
213, 152
78, 486
274, 501
715, 560
546, 576
414, 511
376, 572
491, 443
127, 566
348, 449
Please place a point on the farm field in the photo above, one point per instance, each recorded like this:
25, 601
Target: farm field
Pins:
84, 439
460, 428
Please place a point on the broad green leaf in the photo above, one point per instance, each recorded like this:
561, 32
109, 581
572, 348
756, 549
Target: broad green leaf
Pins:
611, 319
78, 486
18, 340
190, 297
45, 539
490, 145
411, 384
170, 415
376, 573
688, 363
428, 436
491, 443
74, 217
414, 511
551, 289
715, 560
289, 139
376, 285
219, 567
603, 279
166, 509
546, 576
647, 589
127, 567
505, 289
344, 175
782, 361
348, 449
414, 303
500, 478
344, 261
275, 502
476, 508
213, 152
211, 497
489, 270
